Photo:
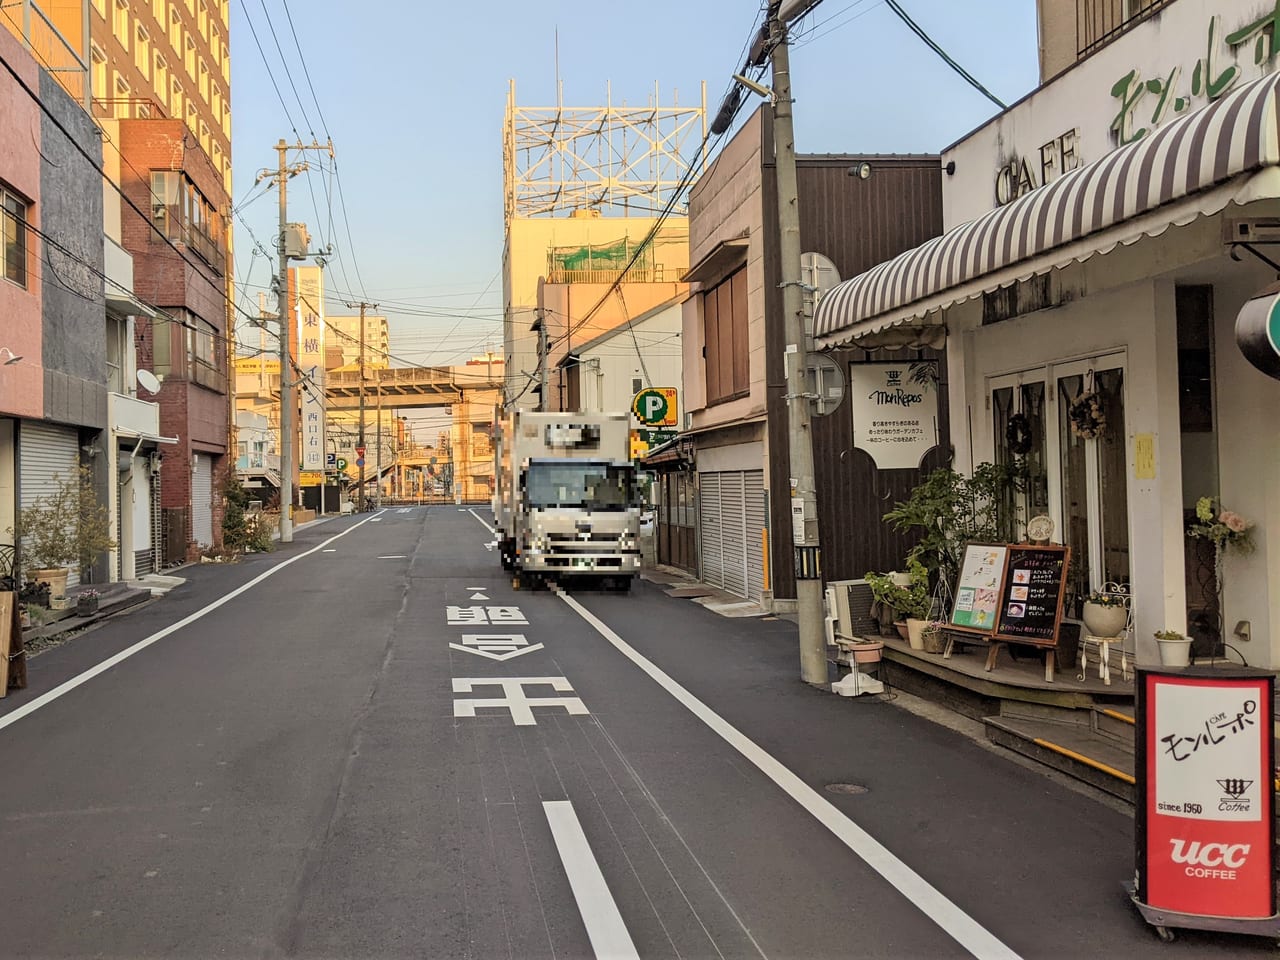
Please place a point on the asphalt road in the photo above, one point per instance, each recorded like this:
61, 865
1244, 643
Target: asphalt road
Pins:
340, 760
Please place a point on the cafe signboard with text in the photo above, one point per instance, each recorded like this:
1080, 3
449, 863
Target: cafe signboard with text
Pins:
1188, 55
895, 411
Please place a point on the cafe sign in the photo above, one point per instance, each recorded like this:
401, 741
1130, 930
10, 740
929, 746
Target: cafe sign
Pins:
895, 411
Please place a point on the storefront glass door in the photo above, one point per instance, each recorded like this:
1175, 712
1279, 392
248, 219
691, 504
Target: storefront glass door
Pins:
1077, 476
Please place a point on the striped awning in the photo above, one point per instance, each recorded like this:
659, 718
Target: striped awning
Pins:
1191, 167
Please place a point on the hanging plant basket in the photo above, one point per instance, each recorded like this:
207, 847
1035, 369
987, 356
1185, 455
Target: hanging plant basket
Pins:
1088, 419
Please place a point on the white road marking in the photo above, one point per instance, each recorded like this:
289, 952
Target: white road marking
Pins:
478, 596
608, 934
404, 510
394, 556
493, 653
924, 896
330, 550
481, 519
516, 701
105, 665
375, 519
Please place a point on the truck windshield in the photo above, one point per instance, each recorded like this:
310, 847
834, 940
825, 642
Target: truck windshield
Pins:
580, 483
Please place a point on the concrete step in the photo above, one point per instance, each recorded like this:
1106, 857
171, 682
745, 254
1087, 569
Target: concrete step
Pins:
1074, 748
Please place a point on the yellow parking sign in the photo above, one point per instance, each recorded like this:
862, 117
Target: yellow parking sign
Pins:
656, 407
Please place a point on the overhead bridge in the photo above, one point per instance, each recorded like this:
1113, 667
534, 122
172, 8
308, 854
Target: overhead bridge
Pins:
404, 388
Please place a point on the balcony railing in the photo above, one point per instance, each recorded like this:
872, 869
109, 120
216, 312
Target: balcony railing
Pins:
655, 274
1101, 21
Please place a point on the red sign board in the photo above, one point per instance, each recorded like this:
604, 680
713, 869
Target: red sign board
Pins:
359, 451
1205, 826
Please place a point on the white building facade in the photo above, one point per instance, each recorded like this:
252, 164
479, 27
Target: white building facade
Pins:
1089, 252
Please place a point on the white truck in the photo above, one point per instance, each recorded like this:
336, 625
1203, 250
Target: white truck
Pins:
565, 502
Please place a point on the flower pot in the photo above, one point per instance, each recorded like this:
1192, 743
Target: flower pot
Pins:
59, 603
915, 632
868, 651
1174, 653
901, 627
86, 606
55, 577
935, 641
1102, 621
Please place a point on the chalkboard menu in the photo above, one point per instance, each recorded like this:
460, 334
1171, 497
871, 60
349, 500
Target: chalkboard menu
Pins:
1030, 607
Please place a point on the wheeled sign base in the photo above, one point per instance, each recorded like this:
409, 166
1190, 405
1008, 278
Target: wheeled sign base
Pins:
1166, 921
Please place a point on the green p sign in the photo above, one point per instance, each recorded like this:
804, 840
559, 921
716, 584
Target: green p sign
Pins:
656, 407
342, 464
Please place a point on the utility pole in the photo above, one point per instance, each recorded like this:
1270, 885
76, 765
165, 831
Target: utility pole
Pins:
378, 494
363, 375
287, 398
543, 349
804, 492
772, 43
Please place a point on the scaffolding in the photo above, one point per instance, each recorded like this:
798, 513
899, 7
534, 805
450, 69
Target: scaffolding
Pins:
620, 160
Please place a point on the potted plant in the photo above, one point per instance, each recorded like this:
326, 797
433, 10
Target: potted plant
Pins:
949, 510
65, 527
867, 651
1175, 648
87, 602
1106, 613
911, 601
883, 590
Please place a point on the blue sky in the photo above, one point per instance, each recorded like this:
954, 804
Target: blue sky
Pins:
412, 94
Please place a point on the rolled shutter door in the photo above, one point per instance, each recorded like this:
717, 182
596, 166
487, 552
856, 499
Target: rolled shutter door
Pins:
48, 455
202, 500
709, 529
733, 526
755, 541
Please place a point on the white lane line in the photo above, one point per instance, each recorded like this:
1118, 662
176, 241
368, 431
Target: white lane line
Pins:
924, 896
394, 556
609, 936
478, 517
105, 665
330, 550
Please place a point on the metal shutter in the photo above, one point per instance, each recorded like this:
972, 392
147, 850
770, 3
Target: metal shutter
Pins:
47, 455
733, 531
202, 500
711, 553
754, 482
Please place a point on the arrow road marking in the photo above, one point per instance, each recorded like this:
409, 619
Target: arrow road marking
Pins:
478, 596
511, 653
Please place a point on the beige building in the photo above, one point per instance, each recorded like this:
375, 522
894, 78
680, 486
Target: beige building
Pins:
560, 271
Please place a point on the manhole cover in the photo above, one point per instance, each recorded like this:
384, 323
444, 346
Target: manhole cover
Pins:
854, 788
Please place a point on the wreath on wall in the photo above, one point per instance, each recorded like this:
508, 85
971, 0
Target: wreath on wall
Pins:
1088, 418
1017, 435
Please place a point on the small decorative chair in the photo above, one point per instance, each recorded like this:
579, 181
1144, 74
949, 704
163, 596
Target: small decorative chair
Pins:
1102, 645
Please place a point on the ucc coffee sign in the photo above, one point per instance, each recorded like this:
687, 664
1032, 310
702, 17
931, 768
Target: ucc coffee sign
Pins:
1206, 829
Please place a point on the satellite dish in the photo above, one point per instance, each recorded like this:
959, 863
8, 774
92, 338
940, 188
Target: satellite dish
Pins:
149, 381
818, 274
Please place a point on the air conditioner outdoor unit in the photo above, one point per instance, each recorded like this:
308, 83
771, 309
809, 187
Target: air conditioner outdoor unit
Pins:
851, 615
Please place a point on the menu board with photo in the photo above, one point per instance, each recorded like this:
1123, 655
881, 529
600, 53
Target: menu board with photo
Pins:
978, 589
1030, 607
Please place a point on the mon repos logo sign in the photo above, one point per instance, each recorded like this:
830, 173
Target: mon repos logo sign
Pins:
656, 407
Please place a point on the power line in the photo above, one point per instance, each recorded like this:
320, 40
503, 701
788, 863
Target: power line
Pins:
929, 42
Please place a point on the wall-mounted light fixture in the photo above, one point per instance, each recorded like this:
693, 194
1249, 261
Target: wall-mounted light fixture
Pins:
860, 170
949, 167
13, 357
